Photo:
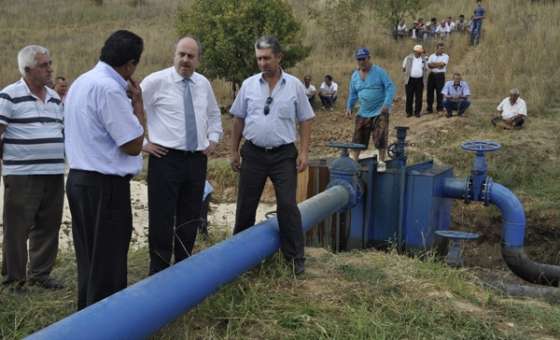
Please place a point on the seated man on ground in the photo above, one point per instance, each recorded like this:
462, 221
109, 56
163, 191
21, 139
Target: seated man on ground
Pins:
310, 90
513, 112
328, 92
456, 95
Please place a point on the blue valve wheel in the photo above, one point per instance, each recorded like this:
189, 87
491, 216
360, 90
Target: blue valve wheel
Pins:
480, 146
341, 145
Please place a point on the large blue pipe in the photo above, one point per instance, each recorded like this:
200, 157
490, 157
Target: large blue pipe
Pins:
513, 232
145, 307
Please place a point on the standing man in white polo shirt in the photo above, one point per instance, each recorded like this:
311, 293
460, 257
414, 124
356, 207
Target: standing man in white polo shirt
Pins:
184, 127
437, 63
104, 135
266, 110
33, 168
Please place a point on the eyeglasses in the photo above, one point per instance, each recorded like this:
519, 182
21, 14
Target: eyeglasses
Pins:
267, 106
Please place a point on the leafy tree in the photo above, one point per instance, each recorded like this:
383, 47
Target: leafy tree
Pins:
393, 11
341, 21
228, 29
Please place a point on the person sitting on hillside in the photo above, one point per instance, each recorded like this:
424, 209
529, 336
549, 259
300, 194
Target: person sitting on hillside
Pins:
456, 95
310, 90
451, 24
431, 28
328, 92
512, 110
419, 29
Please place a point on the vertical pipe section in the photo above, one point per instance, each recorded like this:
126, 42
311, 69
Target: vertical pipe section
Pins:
143, 308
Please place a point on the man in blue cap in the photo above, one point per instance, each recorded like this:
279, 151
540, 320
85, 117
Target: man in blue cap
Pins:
372, 86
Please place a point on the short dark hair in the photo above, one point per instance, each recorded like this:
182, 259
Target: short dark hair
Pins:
328, 77
269, 41
121, 47
440, 44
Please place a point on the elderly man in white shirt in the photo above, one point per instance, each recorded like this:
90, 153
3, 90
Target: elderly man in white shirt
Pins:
415, 72
513, 111
310, 90
184, 126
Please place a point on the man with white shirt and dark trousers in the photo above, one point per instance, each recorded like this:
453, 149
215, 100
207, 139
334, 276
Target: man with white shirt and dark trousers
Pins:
184, 127
415, 72
104, 120
437, 63
512, 110
266, 111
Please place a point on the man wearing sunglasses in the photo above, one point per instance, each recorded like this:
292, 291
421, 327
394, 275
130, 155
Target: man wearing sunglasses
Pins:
266, 111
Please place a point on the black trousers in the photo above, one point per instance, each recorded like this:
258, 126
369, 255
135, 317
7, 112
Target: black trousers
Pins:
280, 165
414, 89
436, 81
175, 190
101, 227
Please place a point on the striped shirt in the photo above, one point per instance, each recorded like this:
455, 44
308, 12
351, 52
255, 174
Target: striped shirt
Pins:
33, 139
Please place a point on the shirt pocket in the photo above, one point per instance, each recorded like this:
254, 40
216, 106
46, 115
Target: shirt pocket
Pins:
286, 109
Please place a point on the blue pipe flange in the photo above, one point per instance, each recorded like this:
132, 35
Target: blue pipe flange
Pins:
487, 190
355, 191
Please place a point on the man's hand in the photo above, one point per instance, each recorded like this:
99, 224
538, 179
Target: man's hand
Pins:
385, 110
349, 114
154, 150
235, 162
302, 162
210, 149
134, 91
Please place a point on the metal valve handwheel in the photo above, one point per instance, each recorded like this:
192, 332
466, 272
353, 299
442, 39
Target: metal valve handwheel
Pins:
480, 146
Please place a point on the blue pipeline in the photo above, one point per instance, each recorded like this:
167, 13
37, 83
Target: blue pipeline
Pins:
513, 232
145, 307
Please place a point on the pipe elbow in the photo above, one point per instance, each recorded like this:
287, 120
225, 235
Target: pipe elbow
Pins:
531, 271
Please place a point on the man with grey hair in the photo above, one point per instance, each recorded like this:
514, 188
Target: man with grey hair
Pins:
512, 110
266, 111
184, 127
31, 121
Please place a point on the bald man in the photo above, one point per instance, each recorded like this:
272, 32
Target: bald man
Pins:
184, 127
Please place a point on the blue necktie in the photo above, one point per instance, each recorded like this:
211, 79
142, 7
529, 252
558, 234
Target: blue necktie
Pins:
190, 118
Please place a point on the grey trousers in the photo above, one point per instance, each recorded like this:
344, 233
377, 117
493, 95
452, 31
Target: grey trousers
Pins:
32, 211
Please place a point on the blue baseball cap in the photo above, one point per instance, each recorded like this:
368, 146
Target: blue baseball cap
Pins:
362, 52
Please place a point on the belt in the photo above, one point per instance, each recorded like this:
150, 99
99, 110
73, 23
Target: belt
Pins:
184, 152
269, 149
100, 175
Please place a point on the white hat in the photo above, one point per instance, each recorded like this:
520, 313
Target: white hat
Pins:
418, 48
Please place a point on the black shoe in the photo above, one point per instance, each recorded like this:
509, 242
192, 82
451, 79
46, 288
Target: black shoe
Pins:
408, 115
417, 115
448, 115
429, 112
47, 283
460, 114
299, 267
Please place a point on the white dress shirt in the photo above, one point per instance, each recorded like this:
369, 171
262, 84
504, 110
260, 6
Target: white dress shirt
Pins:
434, 58
310, 91
326, 90
509, 111
163, 94
98, 120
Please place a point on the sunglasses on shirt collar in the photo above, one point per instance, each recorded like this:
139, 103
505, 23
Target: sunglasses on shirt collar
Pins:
267, 106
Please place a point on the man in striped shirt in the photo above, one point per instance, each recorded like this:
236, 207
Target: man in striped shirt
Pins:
31, 119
